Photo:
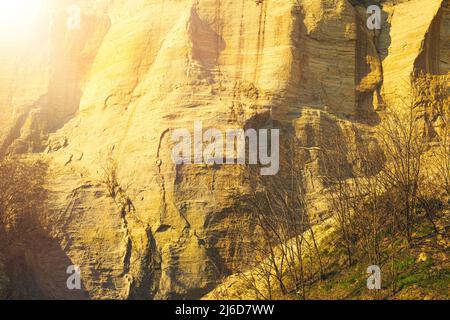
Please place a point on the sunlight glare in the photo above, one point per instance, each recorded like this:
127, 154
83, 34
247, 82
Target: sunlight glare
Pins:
17, 17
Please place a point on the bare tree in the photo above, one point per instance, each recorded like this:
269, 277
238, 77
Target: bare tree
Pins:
286, 258
442, 152
356, 195
404, 144
22, 194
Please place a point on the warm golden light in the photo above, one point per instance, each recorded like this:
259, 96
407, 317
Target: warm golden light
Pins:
18, 17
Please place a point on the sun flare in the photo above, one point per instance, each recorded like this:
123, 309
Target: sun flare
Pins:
17, 17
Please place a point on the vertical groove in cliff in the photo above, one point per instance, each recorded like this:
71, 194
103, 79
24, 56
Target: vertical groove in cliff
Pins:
260, 39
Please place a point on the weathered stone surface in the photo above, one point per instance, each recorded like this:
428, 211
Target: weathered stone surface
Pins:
110, 95
409, 43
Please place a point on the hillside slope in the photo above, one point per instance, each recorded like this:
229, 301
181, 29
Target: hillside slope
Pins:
105, 100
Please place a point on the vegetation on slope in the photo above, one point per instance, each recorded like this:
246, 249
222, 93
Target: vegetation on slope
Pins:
390, 210
420, 272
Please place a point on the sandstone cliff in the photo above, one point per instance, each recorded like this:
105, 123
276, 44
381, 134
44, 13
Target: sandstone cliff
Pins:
109, 95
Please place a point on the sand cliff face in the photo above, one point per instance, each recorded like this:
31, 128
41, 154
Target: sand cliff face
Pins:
110, 95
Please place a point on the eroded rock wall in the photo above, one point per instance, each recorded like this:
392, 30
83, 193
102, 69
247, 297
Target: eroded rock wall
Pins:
111, 94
